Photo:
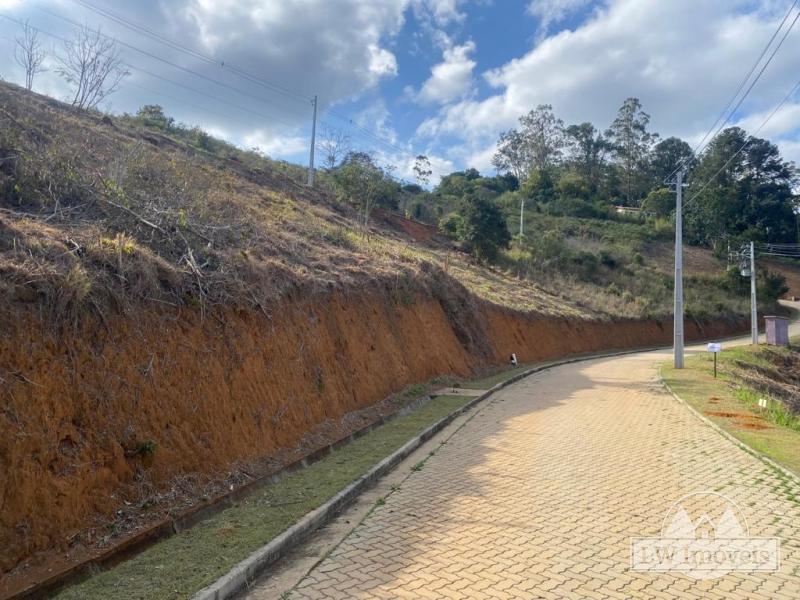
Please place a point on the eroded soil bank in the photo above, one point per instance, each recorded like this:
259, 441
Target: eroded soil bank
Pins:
119, 408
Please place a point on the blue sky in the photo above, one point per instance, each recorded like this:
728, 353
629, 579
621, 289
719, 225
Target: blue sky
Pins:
440, 77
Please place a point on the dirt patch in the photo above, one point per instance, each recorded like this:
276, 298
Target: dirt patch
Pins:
728, 415
110, 428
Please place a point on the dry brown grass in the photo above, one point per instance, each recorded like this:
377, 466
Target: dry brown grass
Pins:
103, 215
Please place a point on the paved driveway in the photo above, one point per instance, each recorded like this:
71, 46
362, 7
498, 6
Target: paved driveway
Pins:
539, 494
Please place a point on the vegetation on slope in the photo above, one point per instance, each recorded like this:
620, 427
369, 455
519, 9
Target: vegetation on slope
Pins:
745, 375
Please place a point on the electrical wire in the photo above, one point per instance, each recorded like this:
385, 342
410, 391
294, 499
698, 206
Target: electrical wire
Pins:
168, 80
699, 149
143, 30
746, 144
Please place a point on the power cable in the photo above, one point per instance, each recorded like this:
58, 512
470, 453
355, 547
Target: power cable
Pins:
697, 150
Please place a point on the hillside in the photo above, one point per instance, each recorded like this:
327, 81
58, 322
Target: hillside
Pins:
181, 316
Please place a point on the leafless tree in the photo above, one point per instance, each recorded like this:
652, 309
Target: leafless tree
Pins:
334, 145
91, 64
29, 54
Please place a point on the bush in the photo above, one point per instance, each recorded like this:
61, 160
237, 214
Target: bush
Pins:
771, 286
483, 228
576, 207
450, 225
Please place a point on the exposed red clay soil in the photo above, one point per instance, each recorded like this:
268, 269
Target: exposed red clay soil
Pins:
81, 411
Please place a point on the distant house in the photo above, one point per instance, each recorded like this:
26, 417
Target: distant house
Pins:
628, 210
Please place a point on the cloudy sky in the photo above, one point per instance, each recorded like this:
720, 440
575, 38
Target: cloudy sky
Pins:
439, 77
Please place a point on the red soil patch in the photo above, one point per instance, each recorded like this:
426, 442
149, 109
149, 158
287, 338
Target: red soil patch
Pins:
218, 393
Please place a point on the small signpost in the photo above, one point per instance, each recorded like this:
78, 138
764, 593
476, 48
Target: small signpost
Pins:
715, 348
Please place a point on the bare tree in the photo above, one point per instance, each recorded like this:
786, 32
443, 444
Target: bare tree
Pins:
334, 145
91, 64
29, 54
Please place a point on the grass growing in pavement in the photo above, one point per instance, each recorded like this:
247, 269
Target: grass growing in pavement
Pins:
773, 432
179, 566
492, 380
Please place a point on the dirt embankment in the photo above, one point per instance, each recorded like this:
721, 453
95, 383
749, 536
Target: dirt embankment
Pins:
96, 420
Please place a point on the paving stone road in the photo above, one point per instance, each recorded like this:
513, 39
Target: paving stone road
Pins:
540, 493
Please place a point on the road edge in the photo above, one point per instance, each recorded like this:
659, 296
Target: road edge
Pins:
245, 572
731, 438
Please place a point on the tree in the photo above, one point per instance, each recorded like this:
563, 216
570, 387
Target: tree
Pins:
660, 202
544, 135
512, 155
482, 228
29, 54
631, 143
362, 182
667, 155
334, 145
744, 190
92, 65
422, 170
587, 152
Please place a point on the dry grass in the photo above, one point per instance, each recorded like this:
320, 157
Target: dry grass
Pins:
100, 215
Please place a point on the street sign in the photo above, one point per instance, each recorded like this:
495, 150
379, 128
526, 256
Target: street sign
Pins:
716, 348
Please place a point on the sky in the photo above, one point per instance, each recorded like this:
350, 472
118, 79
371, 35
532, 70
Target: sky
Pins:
436, 77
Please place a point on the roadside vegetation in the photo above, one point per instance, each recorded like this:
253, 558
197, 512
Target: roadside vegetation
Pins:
746, 375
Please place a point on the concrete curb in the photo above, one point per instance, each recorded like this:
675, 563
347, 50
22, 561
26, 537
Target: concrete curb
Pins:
241, 575
755, 453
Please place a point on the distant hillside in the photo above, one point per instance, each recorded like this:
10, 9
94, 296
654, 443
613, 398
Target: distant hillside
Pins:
103, 213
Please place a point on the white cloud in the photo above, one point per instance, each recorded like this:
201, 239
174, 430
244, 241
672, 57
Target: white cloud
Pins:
785, 121
442, 12
682, 58
451, 78
552, 12
381, 61
9, 4
790, 150
333, 48
274, 144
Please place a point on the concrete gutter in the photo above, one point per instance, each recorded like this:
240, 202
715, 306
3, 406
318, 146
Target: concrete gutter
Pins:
243, 574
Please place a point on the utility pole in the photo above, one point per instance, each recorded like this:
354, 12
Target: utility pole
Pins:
753, 304
678, 309
521, 218
313, 141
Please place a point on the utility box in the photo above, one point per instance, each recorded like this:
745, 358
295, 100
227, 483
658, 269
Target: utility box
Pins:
777, 330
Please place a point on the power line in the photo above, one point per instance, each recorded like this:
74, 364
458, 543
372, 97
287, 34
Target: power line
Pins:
743, 83
131, 24
747, 143
166, 79
138, 27
167, 62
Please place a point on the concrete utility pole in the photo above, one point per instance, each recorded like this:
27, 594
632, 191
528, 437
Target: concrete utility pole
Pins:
313, 141
753, 304
521, 217
678, 311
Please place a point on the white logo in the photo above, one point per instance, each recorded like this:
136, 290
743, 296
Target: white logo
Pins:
705, 535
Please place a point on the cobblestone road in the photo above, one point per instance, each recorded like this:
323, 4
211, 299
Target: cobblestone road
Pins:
540, 493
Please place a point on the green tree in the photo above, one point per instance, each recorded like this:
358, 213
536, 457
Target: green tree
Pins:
631, 143
667, 155
587, 153
482, 228
540, 186
660, 202
742, 189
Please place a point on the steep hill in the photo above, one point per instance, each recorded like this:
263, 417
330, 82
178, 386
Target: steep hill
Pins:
180, 316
